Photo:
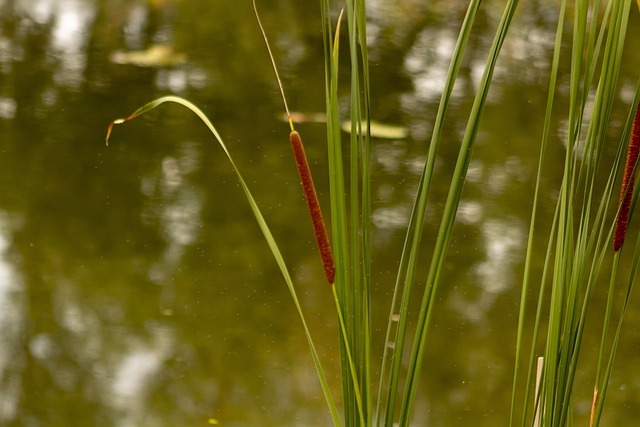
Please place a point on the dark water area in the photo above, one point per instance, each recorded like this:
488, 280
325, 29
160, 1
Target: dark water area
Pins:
135, 286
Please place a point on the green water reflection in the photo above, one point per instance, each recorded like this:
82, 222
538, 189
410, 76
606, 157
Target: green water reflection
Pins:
135, 288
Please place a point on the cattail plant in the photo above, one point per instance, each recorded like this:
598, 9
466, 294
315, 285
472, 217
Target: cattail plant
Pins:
626, 192
317, 221
306, 179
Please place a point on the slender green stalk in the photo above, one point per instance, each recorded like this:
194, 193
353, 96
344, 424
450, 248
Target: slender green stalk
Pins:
263, 227
581, 239
273, 63
360, 199
605, 328
354, 294
451, 206
352, 366
595, 419
337, 195
409, 258
534, 210
366, 210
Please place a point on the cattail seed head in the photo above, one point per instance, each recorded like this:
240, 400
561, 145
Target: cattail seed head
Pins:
628, 179
311, 197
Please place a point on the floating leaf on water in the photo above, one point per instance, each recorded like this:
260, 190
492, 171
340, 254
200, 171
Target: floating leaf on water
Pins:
380, 130
157, 55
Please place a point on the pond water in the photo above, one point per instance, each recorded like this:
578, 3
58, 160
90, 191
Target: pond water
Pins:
135, 286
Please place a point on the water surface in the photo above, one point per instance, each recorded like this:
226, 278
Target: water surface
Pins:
135, 286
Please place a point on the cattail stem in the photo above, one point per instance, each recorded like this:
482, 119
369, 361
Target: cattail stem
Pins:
314, 206
626, 193
273, 63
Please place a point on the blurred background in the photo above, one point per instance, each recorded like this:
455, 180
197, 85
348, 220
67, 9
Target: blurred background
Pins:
135, 286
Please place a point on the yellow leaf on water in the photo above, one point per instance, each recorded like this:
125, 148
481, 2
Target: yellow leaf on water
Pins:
381, 130
378, 129
213, 421
157, 55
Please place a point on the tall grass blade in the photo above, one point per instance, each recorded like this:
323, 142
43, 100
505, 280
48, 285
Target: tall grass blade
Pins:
263, 227
340, 229
360, 201
409, 258
451, 206
534, 210
366, 211
584, 230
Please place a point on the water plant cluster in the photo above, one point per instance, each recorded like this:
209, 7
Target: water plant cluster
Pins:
595, 202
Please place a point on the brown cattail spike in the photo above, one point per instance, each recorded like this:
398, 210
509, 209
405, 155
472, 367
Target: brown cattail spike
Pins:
305, 174
314, 206
626, 193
